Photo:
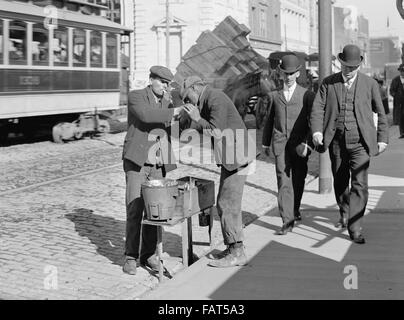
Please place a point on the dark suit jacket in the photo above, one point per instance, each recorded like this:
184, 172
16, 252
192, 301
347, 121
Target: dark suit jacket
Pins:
397, 92
218, 112
288, 123
145, 116
367, 100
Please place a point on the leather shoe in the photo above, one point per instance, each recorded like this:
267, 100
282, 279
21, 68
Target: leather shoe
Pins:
236, 257
342, 223
152, 262
219, 255
298, 216
129, 265
357, 237
287, 227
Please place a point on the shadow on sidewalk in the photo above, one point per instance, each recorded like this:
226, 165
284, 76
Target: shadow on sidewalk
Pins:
305, 264
107, 234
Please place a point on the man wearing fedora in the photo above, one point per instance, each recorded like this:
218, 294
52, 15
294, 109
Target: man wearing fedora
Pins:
342, 121
149, 109
397, 92
213, 113
288, 130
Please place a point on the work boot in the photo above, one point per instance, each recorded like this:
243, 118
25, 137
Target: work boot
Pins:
236, 257
152, 262
129, 265
219, 255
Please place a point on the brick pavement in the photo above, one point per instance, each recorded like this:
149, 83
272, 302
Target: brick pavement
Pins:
72, 230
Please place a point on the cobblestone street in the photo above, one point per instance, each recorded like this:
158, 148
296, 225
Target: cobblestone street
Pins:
63, 213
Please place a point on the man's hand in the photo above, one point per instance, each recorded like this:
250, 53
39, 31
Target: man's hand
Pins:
193, 112
318, 139
303, 150
177, 113
266, 150
382, 147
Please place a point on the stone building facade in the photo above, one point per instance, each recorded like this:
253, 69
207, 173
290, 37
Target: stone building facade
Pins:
187, 20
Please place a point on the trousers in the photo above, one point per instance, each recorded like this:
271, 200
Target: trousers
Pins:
135, 176
228, 202
350, 162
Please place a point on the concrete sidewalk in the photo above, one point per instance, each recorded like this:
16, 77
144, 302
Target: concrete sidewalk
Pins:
316, 260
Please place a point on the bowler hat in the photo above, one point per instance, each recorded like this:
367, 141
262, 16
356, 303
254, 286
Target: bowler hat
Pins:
350, 56
162, 73
289, 64
401, 67
188, 83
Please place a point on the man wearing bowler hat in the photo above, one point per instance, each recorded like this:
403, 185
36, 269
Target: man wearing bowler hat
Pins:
288, 130
214, 114
342, 121
149, 109
397, 92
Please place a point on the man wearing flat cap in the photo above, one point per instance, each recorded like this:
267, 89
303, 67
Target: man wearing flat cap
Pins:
288, 130
397, 92
342, 121
149, 110
214, 114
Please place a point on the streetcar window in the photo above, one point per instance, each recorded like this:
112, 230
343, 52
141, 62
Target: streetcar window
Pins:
96, 49
18, 42
79, 48
40, 45
60, 46
1, 41
112, 47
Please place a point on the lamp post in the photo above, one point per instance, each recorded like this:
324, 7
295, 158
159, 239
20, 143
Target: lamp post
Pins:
325, 54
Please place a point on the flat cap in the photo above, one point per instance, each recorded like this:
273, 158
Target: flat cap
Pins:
162, 72
188, 83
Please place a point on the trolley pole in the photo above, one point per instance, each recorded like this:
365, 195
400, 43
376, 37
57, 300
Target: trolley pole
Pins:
168, 34
325, 54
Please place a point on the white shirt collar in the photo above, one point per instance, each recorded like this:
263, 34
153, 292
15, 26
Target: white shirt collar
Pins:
350, 81
291, 89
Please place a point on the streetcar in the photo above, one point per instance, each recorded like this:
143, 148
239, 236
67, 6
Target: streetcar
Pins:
58, 59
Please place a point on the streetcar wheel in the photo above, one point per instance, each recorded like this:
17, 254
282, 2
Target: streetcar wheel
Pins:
78, 135
104, 126
57, 134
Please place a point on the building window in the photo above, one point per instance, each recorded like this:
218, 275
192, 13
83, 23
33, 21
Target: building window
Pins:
112, 47
79, 48
96, 49
40, 45
18, 42
60, 46
263, 23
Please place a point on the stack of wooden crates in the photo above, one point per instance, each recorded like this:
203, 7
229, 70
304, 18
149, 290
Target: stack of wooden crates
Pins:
221, 57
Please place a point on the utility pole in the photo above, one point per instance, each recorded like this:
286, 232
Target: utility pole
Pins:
168, 34
325, 54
